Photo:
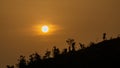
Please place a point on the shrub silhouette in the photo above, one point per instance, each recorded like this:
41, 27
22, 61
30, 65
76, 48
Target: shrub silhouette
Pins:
8, 66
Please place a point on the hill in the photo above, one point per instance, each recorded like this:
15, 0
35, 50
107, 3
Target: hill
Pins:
97, 55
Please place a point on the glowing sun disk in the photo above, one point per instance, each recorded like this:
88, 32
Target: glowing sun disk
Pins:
45, 28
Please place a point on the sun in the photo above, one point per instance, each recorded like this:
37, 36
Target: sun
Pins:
44, 28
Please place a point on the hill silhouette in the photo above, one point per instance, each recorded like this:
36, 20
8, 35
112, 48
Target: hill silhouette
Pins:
98, 55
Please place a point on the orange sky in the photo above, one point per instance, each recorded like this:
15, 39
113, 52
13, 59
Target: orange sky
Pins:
83, 20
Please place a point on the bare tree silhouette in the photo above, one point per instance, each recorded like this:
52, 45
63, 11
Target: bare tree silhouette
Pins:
71, 43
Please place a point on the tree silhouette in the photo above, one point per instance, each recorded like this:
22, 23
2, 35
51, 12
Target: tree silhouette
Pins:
64, 51
56, 51
82, 46
31, 60
47, 55
104, 36
37, 57
34, 60
71, 43
22, 62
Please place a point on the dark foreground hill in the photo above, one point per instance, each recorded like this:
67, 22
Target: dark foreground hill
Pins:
100, 55
104, 54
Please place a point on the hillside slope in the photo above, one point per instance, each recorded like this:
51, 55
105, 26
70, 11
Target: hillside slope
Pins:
104, 54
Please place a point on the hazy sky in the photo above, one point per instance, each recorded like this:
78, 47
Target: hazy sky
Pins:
83, 20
